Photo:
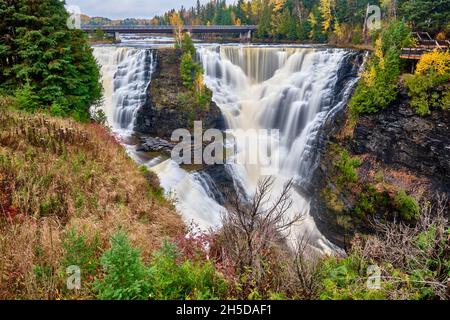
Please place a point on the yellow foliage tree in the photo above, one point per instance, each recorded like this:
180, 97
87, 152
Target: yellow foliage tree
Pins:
178, 26
325, 7
436, 61
313, 22
278, 5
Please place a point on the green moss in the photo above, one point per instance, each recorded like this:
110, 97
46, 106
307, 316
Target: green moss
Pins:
407, 206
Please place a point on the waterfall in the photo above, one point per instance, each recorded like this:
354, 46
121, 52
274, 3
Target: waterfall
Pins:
296, 91
293, 90
126, 74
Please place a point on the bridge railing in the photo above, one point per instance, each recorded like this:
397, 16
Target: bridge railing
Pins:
163, 27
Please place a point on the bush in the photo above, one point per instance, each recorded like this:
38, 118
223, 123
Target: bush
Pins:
428, 87
370, 201
168, 277
378, 86
189, 70
347, 166
187, 45
172, 278
126, 277
407, 206
82, 252
25, 98
345, 279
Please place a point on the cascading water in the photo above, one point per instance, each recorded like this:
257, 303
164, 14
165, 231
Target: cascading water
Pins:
126, 74
293, 90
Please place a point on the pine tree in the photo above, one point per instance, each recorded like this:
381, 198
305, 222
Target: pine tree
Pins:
43, 54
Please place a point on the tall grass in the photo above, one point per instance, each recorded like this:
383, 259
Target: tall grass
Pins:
58, 175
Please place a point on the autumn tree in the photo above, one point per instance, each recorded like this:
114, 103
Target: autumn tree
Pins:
178, 27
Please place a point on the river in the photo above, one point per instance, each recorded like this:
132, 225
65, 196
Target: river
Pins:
292, 89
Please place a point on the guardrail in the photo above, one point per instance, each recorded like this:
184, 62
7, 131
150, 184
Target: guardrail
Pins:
169, 29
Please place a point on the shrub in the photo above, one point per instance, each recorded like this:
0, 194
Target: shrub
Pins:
345, 279
428, 87
126, 277
82, 252
56, 110
172, 278
187, 45
407, 206
25, 98
347, 166
369, 201
378, 86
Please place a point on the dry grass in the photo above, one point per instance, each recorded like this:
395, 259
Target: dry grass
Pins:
55, 175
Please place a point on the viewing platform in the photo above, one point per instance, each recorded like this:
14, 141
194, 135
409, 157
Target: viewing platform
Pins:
425, 43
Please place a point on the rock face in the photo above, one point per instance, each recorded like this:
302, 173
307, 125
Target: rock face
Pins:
154, 144
394, 139
166, 108
398, 136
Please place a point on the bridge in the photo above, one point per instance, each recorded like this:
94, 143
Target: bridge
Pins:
158, 29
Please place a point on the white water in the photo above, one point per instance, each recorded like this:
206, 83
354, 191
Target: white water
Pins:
290, 89
126, 74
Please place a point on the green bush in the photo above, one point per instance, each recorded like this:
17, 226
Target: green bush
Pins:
347, 167
379, 88
187, 45
25, 98
172, 279
345, 279
168, 277
423, 93
370, 201
126, 277
82, 252
407, 206
189, 70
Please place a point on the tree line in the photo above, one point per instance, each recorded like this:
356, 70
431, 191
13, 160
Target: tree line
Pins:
317, 20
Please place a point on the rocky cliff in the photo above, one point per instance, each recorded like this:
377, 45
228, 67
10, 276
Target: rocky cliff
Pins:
397, 150
169, 105
398, 136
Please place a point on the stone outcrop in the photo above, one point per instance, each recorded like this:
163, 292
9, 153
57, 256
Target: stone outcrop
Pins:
412, 152
398, 136
167, 107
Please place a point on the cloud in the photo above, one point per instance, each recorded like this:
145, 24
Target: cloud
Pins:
116, 9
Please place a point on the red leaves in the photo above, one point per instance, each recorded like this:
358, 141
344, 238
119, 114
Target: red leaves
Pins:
13, 215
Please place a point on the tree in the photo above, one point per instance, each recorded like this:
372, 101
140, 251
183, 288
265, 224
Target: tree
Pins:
325, 8
178, 27
56, 64
426, 15
252, 229
264, 26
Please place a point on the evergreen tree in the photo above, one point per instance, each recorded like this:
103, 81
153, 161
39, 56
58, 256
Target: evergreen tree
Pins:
427, 15
37, 50
264, 26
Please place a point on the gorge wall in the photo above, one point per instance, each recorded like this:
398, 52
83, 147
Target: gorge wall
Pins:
167, 107
397, 148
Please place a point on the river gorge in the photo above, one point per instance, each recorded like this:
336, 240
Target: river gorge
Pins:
297, 90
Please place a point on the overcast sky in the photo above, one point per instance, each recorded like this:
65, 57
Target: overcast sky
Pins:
116, 9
